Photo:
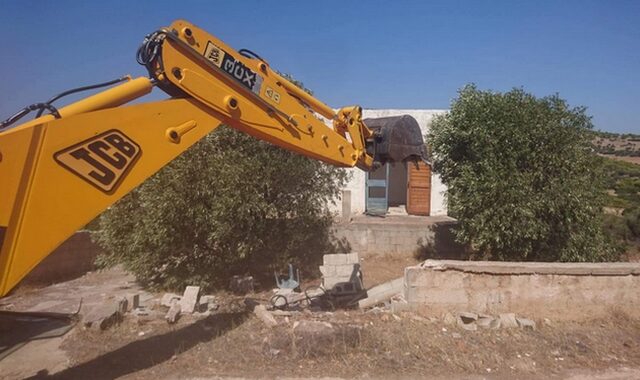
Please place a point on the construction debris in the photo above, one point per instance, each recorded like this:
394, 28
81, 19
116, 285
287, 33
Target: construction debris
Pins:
105, 315
173, 314
207, 303
189, 299
133, 301
471, 321
526, 323
488, 322
265, 316
167, 299
508, 320
467, 321
382, 293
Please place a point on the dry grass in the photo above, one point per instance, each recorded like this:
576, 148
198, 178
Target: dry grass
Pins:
237, 344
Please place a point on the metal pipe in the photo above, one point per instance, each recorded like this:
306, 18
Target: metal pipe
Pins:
110, 98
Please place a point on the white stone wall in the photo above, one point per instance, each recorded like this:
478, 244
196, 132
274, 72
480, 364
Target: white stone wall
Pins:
358, 177
559, 291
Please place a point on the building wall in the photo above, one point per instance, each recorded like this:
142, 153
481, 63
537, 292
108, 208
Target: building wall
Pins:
357, 183
560, 291
400, 235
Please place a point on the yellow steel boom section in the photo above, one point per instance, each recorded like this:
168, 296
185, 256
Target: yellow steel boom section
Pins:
58, 173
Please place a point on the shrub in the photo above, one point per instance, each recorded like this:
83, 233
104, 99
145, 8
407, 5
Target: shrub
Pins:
229, 205
522, 178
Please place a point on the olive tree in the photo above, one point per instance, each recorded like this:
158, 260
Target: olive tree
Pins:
522, 178
229, 205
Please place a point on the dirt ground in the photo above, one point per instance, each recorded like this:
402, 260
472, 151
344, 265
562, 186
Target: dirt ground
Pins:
232, 342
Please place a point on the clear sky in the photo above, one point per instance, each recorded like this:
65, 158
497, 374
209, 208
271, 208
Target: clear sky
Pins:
379, 54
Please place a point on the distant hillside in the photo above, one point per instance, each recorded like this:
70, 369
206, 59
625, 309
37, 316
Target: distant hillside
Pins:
622, 211
624, 147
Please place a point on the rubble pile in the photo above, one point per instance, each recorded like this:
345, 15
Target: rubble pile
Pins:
112, 311
472, 321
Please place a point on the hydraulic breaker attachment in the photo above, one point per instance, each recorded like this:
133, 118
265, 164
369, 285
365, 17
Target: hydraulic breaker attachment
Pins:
395, 139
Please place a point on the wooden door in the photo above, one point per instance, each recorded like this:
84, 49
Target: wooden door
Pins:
418, 188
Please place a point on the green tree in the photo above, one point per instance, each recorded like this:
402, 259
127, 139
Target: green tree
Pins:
229, 205
522, 179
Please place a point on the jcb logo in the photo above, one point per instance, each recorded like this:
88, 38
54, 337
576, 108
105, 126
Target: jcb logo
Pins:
103, 160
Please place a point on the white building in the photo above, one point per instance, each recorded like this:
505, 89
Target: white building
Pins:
360, 191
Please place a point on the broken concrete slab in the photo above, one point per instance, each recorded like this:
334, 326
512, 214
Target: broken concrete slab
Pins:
309, 329
207, 303
133, 301
526, 323
400, 306
488, 322
521, 268
467, 317
382, 293
173, 314
282, 313
508, 320
122, 305
468, 326
265, 316
467, 321
344, 270
167, 299
334, 259
104, 315
189, 299
327, 270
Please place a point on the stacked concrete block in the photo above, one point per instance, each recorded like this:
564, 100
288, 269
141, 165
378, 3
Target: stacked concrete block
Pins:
339, 268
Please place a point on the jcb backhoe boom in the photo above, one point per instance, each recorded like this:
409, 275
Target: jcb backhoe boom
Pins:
59, 171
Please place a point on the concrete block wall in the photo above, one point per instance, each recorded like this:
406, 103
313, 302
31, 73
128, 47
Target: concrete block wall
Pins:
398, 235
560, 291
339, 268
382, 239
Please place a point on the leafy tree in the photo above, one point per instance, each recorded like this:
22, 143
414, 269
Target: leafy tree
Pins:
522, 179
229, 205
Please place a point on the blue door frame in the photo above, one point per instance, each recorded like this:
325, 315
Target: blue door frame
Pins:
377, 205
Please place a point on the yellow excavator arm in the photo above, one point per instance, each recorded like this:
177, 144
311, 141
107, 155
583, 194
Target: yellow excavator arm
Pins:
60, 170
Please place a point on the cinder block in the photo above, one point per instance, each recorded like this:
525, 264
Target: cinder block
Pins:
415, 294
335, 259
328, 270
352, 258
133, 301
329, 282
189, 299
344, 270
457, 297
398, 307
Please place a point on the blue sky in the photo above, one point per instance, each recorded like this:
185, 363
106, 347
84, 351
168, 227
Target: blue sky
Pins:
379, 54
